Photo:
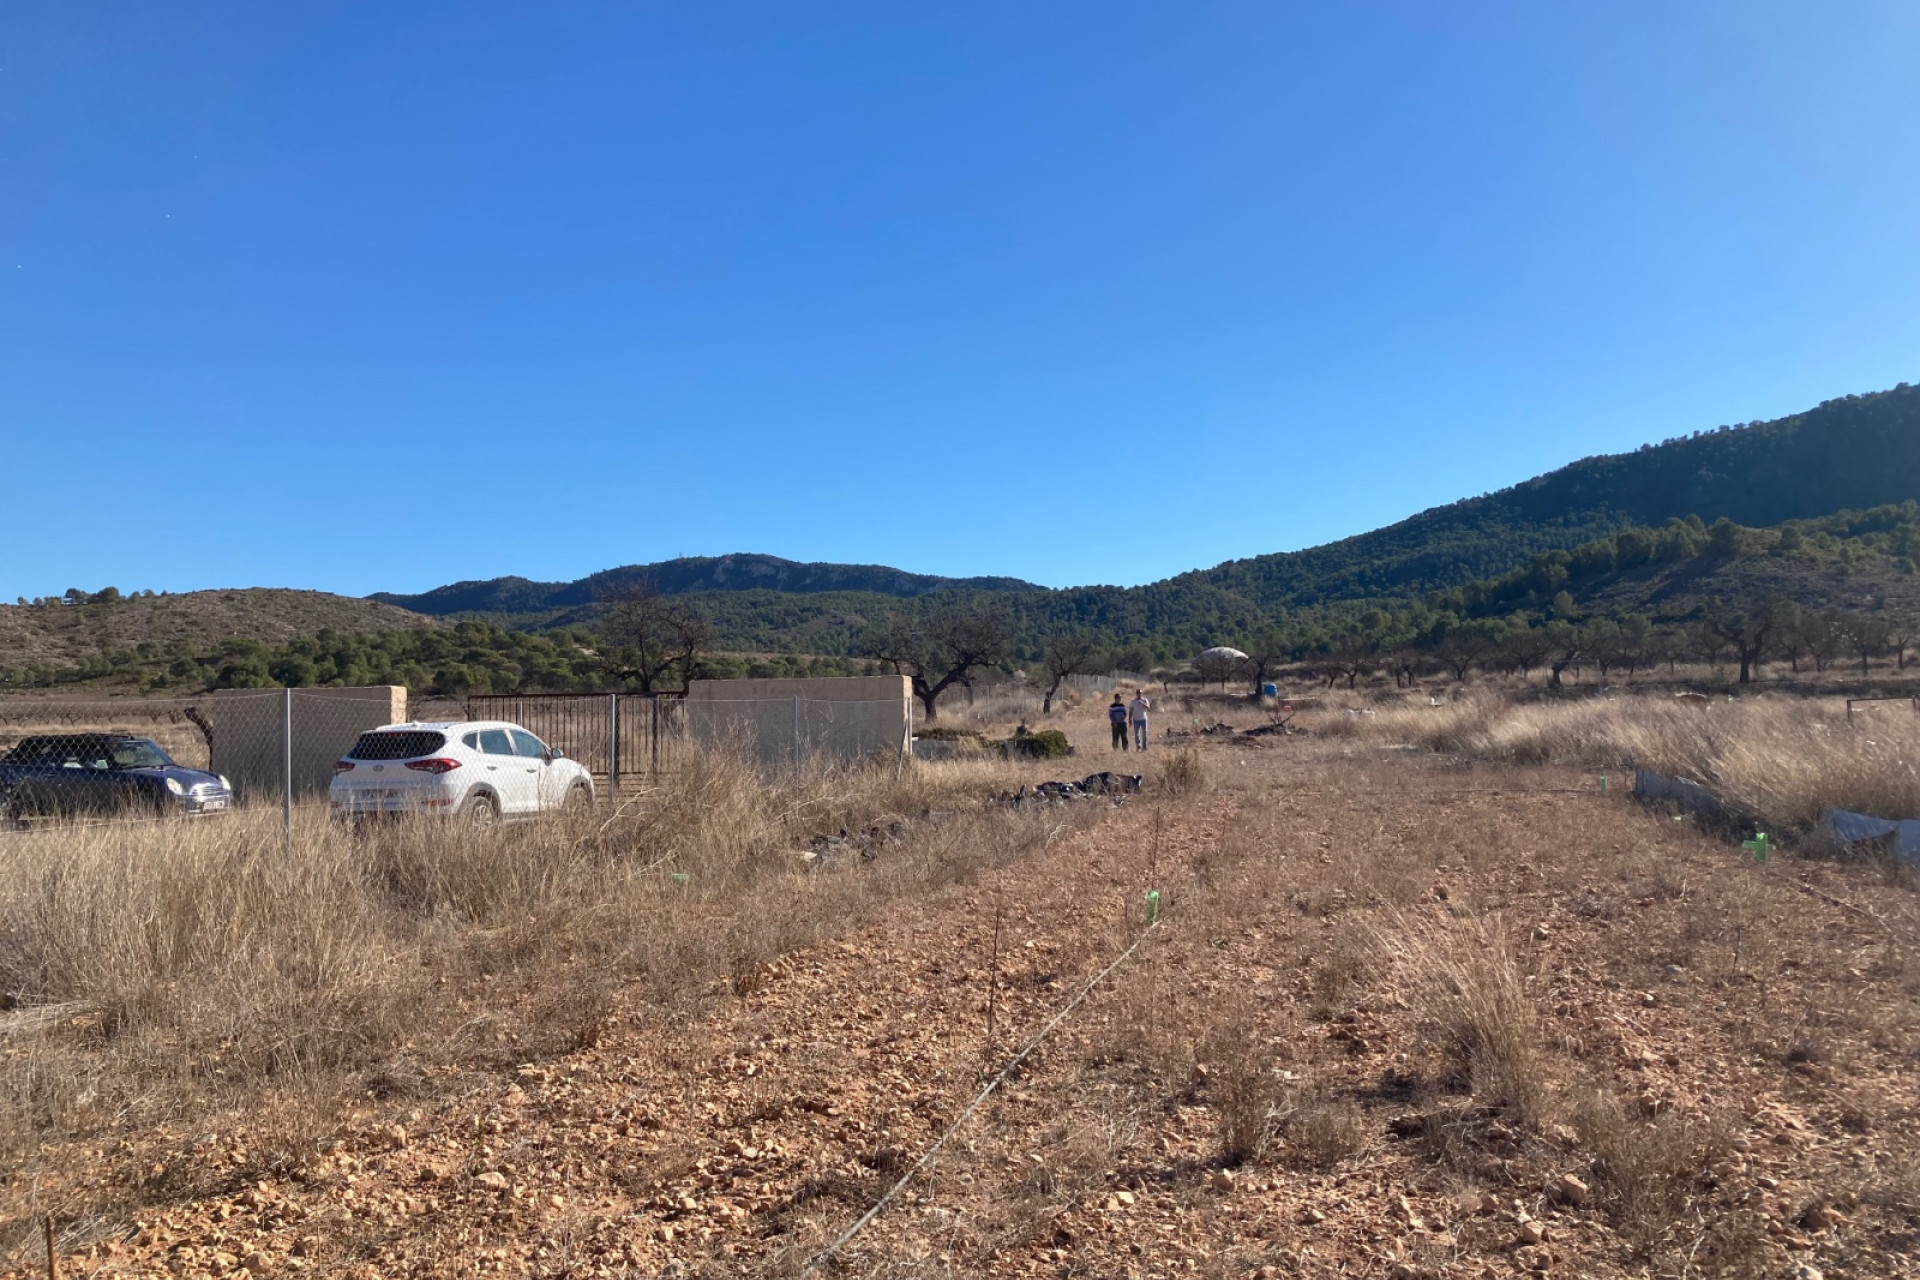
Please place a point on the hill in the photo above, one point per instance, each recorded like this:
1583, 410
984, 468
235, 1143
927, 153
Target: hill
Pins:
1854, 453
113, 633
684, 576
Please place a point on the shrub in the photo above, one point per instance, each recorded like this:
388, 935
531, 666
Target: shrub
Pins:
1183, 773
1048, 744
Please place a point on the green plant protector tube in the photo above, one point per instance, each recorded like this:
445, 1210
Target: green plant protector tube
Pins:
681, 879
1153, 905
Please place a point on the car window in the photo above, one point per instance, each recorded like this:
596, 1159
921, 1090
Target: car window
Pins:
495, 742
471, 742
138, 753
396, 744
525, 744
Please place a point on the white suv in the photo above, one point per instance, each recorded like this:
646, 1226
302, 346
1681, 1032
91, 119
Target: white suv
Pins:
482, 770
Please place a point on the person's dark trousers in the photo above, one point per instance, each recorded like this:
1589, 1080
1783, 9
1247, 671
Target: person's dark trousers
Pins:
1119, 735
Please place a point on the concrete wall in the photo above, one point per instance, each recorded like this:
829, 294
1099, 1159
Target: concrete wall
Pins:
844, 717
247, 734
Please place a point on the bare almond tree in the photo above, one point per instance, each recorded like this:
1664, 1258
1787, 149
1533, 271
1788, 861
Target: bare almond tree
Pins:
656, 640
1070, 653
939, 646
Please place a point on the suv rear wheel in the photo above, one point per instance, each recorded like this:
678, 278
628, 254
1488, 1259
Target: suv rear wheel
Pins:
482, 812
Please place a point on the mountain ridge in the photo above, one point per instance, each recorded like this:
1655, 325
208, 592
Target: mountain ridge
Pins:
737, 571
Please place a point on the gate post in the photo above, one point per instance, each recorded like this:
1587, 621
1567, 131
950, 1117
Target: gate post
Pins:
613, 748
286, 758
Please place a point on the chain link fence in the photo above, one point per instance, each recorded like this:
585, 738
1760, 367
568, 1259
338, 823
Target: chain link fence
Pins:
148, 758
116, 759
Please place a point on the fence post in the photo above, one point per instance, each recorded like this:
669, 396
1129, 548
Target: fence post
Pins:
613, 748
796, 731
286, 758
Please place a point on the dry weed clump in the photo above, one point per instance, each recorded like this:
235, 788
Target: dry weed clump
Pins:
1241, 1084
1467, 988
1650, 1170
1183, 774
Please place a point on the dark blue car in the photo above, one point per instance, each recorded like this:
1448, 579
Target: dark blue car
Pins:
103, 774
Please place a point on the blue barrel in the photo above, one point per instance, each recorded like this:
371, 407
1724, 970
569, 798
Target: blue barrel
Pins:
1270, 690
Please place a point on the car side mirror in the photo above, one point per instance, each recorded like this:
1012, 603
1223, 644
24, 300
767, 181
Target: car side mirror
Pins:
553, 755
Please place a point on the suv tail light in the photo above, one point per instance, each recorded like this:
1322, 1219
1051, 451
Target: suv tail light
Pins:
343, 766
439, 764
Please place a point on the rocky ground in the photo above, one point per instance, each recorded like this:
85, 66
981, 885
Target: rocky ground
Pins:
1396, 1019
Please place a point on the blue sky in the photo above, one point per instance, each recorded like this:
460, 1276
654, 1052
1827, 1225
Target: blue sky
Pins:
366, 297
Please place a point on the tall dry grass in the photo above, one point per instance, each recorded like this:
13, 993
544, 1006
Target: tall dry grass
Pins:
163, 974
1782, 759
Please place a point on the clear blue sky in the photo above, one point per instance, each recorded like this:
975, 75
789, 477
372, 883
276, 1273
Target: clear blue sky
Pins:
380, 296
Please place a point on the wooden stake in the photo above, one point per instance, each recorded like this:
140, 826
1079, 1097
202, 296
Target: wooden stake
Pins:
46, 1225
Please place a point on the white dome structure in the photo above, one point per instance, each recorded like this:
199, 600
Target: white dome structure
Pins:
1221, 653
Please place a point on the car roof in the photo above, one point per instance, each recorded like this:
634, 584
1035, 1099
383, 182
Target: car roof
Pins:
447, 726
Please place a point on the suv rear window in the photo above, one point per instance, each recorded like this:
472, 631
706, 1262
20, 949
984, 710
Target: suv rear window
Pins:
402, 744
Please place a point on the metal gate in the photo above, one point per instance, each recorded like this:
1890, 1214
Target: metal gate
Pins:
614, 735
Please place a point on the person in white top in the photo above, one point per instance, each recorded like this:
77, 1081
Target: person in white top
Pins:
1137, 711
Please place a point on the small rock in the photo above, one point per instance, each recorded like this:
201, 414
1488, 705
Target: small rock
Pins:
492, 1179
1124, 1197
1312, 1216
393, 1137
1568, 1189
1818, 1217
1530, 1232
1807, 1271
1223, 1180
1766, 1183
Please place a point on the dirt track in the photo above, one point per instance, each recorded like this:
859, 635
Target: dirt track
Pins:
1751, 1040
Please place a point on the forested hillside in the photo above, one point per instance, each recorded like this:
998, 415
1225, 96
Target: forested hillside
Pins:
546, 602
1852, 453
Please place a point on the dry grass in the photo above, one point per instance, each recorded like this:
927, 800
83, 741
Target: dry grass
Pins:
1466, 987
1782, 759
162, 975
1182, 773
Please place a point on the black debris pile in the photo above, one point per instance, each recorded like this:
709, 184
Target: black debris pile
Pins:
1218, 730
1105, 784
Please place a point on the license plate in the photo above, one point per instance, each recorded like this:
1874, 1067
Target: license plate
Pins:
213, 806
